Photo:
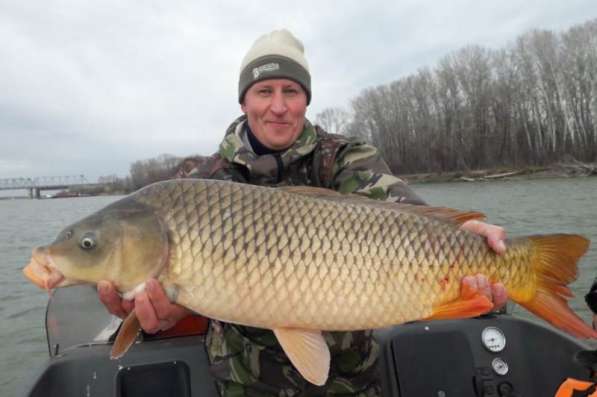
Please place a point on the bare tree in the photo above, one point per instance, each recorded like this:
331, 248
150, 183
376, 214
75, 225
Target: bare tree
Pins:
334, 120
144, 172
531, 103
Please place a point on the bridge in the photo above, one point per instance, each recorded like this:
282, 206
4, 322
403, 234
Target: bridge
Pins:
36, 185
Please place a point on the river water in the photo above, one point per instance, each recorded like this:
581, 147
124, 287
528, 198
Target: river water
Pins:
522, 206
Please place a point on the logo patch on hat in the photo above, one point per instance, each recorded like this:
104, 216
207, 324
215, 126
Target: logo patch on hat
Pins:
268, 67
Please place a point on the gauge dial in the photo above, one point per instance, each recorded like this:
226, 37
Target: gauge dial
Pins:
499, 366
493, 339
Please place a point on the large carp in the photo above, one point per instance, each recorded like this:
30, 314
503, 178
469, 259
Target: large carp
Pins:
302, 260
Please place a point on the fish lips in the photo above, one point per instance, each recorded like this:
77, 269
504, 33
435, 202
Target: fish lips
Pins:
42, 271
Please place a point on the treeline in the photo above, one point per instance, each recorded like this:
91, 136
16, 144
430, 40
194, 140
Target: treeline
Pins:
142, 173
533, 103
145, 172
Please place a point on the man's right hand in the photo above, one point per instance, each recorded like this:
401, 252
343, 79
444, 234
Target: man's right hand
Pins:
152, 306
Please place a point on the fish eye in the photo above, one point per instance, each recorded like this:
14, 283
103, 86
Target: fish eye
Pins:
88, 242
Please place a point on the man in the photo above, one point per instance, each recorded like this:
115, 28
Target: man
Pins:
274, 144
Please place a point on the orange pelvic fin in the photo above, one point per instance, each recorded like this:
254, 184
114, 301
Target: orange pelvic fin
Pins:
555, 264
470, 303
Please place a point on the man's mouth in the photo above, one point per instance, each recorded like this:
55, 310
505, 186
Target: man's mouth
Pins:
278, 123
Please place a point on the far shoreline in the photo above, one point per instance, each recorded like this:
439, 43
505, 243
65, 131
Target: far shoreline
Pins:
556, 170
568, 169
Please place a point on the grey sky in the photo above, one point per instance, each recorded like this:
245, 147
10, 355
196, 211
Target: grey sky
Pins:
90, 87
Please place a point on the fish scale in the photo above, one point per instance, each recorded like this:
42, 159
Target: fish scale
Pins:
320, 284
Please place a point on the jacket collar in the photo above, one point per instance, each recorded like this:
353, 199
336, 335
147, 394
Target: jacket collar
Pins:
236, 149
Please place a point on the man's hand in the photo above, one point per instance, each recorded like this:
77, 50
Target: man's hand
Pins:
153, 308
494, 292
496, 237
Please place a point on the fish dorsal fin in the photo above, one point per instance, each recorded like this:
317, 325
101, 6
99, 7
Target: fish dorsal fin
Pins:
126, 336
441, 213
307, 351
451, 215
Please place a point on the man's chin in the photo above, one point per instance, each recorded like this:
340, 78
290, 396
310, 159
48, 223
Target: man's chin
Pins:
280, 139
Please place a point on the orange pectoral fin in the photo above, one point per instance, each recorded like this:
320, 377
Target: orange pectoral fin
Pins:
129, 330
470, 303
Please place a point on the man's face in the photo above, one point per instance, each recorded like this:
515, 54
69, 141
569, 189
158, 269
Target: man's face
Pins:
275, 111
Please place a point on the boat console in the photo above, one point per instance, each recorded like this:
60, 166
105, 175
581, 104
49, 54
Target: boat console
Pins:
496, 355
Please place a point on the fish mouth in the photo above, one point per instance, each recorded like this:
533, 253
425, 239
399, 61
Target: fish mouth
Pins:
42, 271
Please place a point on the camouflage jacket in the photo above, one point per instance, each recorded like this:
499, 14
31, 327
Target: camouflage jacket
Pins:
248, 361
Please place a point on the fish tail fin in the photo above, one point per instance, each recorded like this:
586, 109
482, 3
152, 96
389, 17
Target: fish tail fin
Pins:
554, 262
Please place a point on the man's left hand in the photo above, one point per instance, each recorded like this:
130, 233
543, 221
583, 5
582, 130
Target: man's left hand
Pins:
496, 236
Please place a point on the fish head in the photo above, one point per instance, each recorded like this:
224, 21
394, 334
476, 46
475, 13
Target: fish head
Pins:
125, 243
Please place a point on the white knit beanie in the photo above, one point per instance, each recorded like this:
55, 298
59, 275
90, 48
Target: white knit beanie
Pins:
275, 55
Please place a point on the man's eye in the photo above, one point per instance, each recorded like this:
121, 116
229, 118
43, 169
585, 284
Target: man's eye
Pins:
292, 91
264, 91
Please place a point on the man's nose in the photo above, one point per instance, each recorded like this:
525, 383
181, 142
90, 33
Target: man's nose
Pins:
278, 105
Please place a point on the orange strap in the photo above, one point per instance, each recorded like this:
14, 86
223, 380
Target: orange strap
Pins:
569, 386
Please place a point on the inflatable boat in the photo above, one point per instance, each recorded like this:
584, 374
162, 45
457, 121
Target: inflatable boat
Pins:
493, 355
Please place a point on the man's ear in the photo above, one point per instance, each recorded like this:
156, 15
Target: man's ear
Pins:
243, 107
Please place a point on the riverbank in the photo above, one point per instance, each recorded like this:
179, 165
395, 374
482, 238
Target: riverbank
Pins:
557, 170
563, 169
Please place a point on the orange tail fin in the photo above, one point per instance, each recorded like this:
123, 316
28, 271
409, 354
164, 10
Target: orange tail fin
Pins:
555, 260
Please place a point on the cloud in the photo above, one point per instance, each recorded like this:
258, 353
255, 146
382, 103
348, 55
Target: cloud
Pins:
92, 87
